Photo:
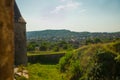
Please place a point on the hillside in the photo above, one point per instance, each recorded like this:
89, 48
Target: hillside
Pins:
57, 35
93, 62
90, 62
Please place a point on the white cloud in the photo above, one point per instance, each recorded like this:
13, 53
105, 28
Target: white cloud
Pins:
66, 0
58, 8
68, 6
62, 0
73, 5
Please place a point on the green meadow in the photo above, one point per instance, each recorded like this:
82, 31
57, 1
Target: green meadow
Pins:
44, 72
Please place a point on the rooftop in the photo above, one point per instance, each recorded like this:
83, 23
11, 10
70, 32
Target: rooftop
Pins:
17, 15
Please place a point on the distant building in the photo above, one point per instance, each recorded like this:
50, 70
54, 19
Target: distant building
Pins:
37, 48
20, 37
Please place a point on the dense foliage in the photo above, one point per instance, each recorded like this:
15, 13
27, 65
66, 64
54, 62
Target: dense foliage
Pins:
93, 62
49, 46
57, 40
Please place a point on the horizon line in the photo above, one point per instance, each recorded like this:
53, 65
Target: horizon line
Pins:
75, 31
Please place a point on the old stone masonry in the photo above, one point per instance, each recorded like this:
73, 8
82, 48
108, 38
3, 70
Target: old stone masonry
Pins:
19, 37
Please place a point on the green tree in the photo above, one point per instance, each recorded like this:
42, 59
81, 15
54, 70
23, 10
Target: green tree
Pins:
31, 46
97, 40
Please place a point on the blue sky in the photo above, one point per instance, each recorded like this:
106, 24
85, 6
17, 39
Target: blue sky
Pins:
74, 15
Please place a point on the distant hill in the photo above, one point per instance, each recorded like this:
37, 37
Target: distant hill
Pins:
56, 35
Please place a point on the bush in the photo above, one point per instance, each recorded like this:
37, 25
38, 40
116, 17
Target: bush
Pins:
116, 47
93, 62
75, 71
56, 49
65, 62
103, 66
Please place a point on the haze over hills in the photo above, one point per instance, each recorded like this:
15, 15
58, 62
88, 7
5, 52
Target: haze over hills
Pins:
56, 35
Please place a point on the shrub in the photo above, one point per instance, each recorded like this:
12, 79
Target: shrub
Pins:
103, 66
75, 71
116, 47
65, 62
94, 62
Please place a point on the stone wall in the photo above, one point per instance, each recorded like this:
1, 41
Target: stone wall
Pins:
45, 59
20, 44
6, 39
20, 37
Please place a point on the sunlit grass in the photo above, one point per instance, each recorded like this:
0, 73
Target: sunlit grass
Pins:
44, 52
44, 72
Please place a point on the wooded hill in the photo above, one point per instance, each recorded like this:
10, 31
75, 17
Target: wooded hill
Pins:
66, 35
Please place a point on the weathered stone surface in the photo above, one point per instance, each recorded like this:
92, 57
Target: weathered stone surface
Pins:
21, 72
20, 44
20, 37
46, 58
6, 39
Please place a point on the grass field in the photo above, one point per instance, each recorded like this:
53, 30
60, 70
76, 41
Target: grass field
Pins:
39, 71
44, 72
44, 52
